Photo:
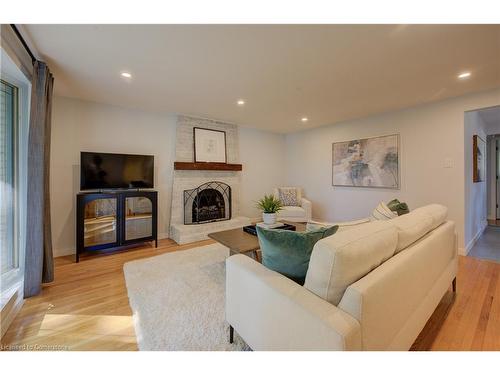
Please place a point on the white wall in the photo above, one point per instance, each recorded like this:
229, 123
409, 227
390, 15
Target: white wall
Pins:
475, 192
263, 156
85, 126
430, 134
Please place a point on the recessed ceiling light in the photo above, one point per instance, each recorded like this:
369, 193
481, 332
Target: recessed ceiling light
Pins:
126, 75
240, 102
304, 119
464, 75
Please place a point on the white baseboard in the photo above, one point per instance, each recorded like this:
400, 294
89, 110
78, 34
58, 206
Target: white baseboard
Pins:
63, 252
470, 245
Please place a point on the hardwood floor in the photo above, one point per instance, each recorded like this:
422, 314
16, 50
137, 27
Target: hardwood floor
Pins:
469, 320
86, 307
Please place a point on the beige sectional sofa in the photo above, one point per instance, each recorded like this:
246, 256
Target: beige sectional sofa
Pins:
371, 286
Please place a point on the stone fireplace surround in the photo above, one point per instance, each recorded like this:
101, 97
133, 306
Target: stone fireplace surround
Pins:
191, 179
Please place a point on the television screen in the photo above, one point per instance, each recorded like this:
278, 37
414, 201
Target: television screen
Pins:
100, 170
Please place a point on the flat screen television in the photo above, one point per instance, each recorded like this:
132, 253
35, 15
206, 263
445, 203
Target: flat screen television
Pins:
99, 170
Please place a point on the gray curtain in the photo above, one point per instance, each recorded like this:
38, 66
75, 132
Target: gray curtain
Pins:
39, 267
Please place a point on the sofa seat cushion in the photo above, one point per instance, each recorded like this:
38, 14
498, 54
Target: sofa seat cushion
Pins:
338, 261
288, 252
291, 211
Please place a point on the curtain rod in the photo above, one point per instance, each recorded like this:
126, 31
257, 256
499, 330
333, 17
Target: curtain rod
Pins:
23, 42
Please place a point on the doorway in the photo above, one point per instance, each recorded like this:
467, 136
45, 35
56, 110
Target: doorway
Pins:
482, 150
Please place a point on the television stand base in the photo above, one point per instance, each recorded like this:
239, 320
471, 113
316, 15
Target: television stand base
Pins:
115, 220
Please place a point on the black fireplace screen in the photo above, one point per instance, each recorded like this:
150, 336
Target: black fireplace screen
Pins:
208, 202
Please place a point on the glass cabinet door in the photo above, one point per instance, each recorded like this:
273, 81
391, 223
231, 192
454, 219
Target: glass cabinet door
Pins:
100, 222
138, 218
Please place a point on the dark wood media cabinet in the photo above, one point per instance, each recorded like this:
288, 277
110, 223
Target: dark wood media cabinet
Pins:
113, 220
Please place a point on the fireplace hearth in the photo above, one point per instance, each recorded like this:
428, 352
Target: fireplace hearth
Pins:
207, 203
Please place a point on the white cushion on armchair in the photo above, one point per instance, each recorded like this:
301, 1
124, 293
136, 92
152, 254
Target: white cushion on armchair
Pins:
302, 213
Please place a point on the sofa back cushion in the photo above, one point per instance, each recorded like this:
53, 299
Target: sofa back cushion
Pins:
413, 226
437, 212
343, 225
340, 260
410, 228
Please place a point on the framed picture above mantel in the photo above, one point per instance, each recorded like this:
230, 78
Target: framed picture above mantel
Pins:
368, 162
209, 145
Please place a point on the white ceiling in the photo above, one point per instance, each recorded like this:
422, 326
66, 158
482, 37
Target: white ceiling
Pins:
328, 73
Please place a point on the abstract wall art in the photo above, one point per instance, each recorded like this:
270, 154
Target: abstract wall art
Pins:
369, 162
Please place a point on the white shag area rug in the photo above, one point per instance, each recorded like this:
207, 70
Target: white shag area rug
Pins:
178, 300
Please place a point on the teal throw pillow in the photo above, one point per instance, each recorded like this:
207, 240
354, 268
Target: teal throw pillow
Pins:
400, 208
288, 252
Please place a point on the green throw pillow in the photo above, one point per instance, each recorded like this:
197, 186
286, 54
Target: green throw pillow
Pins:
400, 208
288, 252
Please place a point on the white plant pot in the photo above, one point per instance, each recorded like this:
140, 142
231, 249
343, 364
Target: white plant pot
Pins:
269, 219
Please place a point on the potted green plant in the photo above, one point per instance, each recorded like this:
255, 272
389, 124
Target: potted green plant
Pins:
269, 205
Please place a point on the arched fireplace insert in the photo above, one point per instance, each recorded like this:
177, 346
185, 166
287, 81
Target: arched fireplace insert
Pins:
207, 203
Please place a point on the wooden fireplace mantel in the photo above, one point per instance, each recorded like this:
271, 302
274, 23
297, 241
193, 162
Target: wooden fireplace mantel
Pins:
188, 166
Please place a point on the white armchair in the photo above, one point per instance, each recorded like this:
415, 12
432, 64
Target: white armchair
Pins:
302, 213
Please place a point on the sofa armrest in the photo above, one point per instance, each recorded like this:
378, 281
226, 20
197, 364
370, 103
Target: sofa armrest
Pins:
307, 206
271, 312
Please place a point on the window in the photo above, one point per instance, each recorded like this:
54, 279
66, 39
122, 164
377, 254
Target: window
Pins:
15, 88
8, 129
